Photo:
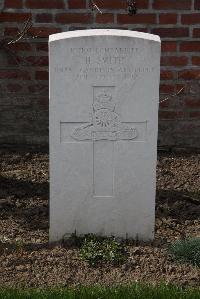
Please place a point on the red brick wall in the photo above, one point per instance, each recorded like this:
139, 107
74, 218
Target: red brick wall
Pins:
24, 71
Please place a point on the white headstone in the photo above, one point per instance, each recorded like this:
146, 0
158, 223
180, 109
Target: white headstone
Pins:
104, 94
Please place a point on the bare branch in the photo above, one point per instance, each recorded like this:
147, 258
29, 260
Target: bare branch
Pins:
94, 6
21, 33
172, 95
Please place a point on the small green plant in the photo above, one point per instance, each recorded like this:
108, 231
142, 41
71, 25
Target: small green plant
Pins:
187, 250
98, 249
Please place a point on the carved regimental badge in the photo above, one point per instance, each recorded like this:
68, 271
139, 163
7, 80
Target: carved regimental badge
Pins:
105, 124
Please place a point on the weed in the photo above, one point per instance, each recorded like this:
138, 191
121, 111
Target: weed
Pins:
187, 250
98, 249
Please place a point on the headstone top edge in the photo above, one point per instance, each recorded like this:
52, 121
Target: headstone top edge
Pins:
103, 32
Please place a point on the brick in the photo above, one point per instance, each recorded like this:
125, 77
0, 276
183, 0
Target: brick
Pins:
38, 88
14, 87
42, 47
189, 74
120, 4
172, 4
48, 4
171, 114
197, 4
195, 114
37, 60
68, 18
11, 31
21, 46
168, 18
190, 19
111, 4
196, 32
14, 17
166, 75
196, 60
168, 46
171, 32
13, 4
75, 4
193, 46
43, 18
136, 19
192, 103
41, 75
14, 74
167, 88
104, 18
43, 31
174, 60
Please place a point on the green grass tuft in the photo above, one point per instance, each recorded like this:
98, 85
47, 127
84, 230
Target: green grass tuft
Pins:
187, 250
135, 291
98, 249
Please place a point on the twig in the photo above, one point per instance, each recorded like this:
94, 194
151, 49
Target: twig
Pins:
22, 33
93, 4
172, 95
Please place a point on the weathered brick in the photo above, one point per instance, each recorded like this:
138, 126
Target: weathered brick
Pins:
136, 19
41, 75
171, 32
190, 19
44, 18
120, 4
171, 114
168, 18
75, 4
172, 4
189, 74
42, 47
13, 4
43, 31
11, 31
38, 88
167, 88
195, 114
190, 46
174, 60
14, 17
197, 4
168, 46
14, 74
21, 46
196, 32
196, 60
49, 4
37, 60
192, 102
166, 75
14, 87
104, 18
68, 18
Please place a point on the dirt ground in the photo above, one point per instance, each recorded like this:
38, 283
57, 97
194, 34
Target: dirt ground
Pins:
26, 258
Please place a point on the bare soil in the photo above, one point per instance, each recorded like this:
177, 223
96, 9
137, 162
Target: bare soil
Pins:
27, 260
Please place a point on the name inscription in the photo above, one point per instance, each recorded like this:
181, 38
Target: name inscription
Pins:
103, 63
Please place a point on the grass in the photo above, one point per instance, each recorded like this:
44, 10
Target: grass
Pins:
135, 291
187, 250
98, 249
